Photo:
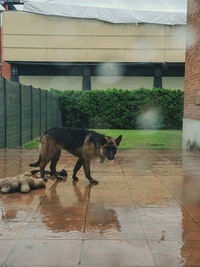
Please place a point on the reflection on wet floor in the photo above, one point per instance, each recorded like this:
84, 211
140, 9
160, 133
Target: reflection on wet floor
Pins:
144, 212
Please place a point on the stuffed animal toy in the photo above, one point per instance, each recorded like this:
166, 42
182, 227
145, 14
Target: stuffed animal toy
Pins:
23, 183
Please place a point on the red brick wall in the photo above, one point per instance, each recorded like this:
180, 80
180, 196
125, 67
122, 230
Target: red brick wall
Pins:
192, 63
5, 68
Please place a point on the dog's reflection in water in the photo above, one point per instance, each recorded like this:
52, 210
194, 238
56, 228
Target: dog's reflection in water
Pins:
64, 217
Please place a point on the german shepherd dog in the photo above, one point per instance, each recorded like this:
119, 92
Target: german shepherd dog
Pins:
84, 144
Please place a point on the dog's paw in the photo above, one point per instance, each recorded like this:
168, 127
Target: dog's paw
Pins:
63, 173
75, 178
45, 179
59, 178
33, 172
93, 181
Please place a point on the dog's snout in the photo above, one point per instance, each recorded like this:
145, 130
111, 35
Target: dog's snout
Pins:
110, 157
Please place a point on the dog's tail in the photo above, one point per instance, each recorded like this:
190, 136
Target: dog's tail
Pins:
37, 163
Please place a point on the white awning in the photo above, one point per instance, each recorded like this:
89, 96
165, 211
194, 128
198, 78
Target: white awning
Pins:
169, 12
1, 8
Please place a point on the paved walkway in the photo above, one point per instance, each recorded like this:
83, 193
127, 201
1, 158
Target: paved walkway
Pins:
144, 212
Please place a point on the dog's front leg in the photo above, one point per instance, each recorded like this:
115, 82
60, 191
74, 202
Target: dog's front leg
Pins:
77, 167
86, 166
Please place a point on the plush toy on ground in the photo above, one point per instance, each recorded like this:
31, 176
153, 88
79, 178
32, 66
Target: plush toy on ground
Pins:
23, 183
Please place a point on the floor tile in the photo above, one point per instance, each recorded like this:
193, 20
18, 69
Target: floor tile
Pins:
116, 253
166, 224
176, 253
118, 230
5, 248
45, 252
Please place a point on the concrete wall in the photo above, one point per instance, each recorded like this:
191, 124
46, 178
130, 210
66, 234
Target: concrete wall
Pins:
191, 122
119, 82
191, 134
32, 37
99, 82
56, 82
173, 82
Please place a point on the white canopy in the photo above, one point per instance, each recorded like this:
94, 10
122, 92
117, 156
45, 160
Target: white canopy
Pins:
169, 12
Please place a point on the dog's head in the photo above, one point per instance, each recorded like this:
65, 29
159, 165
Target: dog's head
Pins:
109, 147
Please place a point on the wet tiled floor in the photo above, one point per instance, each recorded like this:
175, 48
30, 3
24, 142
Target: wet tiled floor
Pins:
145, 211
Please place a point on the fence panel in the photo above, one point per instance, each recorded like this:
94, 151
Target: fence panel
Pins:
25, 113
2, 115
36, 112
57, 112
54, 109
12, 114
49, 105
43, 111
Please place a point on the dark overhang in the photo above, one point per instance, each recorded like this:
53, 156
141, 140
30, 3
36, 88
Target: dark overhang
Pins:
95, 69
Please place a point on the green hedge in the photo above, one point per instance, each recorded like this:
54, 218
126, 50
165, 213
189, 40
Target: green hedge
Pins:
123, 109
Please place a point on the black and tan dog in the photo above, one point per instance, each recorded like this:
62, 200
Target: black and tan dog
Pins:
84, 144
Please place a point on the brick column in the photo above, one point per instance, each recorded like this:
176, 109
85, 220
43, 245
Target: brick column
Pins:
191, 121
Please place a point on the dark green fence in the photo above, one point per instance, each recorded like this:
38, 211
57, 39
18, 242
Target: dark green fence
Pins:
25, 113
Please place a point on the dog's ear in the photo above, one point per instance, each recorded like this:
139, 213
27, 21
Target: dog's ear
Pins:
118, 140
104, 141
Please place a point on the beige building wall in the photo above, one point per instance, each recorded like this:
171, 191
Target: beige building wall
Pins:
55, 82
33, 37
119, 82
173, 82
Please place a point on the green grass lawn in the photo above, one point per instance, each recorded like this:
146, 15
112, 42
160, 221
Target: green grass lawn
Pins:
33, 144
139, 139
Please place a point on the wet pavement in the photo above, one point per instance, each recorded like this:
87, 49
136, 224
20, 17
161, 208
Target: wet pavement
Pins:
145, 211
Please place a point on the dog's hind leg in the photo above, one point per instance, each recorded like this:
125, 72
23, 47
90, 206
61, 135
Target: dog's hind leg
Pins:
77, 167
54, 162
47, 153
86, 166
43, 164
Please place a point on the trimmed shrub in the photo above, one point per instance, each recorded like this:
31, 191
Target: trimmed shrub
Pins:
123, 109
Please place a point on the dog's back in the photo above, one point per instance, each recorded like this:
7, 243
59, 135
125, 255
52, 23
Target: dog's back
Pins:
73, 138
68, 138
